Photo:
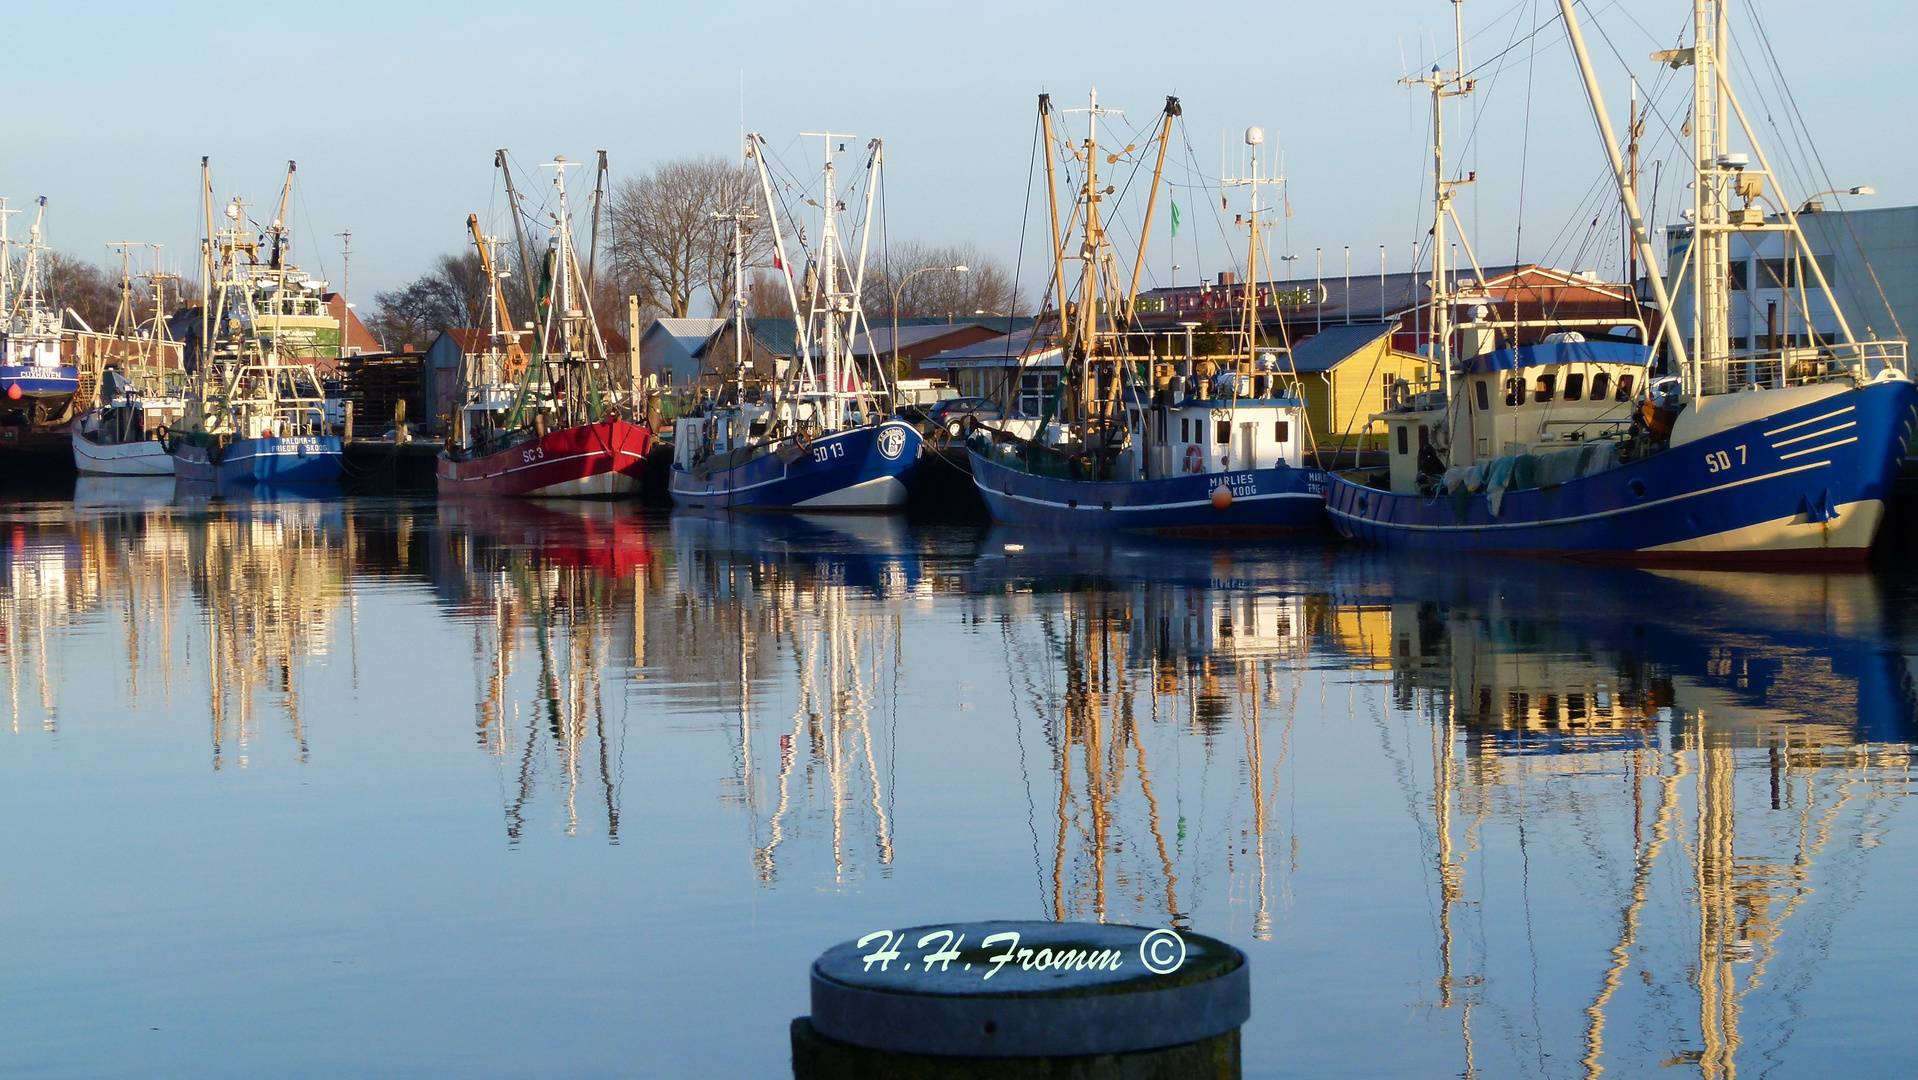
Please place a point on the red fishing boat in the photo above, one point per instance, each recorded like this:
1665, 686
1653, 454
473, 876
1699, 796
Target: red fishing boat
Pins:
541, 425
604, 459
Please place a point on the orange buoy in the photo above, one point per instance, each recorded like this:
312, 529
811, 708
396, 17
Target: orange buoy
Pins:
1221, 497
13, 391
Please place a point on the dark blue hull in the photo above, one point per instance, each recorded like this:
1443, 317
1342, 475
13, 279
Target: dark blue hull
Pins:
301, 459
1278, 500
38, 382
858, 469
1808, 483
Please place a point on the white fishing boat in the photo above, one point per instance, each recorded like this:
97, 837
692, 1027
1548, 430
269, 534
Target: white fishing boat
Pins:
140, 394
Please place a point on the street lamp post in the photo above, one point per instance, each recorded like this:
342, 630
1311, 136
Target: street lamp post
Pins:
1813, 206
960, 269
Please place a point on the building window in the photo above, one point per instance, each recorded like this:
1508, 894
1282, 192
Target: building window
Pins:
1225, 432
1281, 431
1601, 382
1575, 386
1484, 396
1740, 275
1547, 386
1775, 274
1624, 391
1515, 390
1385, 389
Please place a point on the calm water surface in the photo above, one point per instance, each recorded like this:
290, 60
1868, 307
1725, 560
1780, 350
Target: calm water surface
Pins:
324, 788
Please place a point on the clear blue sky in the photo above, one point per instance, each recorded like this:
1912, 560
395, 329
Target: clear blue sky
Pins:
393, 109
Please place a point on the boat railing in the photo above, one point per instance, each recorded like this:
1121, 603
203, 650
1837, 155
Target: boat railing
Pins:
301, 418
1591, 430
1841, 362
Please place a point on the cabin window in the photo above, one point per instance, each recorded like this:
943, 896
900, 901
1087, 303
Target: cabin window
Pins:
1575, 386
1547, 386
1163, 421
1601, 382
1185, 429
1404, 441
1036, 389
1484, 396
1135, 419
1281, 431
1225, 432
1515, 391
1624, 391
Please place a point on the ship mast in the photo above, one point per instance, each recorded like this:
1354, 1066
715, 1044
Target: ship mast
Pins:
6, 258
1443, 84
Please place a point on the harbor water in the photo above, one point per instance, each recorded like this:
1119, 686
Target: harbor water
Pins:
296, 785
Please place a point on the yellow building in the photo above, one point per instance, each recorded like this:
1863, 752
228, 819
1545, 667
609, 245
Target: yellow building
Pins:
1346, 374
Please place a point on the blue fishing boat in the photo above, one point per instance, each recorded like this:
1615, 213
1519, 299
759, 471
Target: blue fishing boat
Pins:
252, 415
1187, 482
1128, 443
819, 435
37, 383
1532, 439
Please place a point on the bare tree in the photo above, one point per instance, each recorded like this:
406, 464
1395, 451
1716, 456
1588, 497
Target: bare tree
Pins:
985, 288
452, 294
86, 287
667, 243
766, 296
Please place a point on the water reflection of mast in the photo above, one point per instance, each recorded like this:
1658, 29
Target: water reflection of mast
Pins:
838, 649
267, 583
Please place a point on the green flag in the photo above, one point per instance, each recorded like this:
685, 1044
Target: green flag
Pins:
1175, 220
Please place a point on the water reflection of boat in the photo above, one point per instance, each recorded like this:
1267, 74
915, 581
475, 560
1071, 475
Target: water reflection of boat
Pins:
270, 581
555, 594
241, 492
603, 535
874, 553
1120, 650
122, 491
1805, 650
1714, 752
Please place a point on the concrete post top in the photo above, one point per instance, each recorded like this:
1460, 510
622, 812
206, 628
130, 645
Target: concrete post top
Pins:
1007, 989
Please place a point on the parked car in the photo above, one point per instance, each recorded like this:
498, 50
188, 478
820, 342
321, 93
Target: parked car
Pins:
958, 414
917, 397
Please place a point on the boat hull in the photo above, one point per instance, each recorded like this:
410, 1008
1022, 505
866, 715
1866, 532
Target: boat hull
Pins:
38, 383
603, 460
860, 469
296, 459
1806, 485
145, 457
1272, 501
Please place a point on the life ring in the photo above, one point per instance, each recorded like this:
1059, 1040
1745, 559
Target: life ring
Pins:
1194, 460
